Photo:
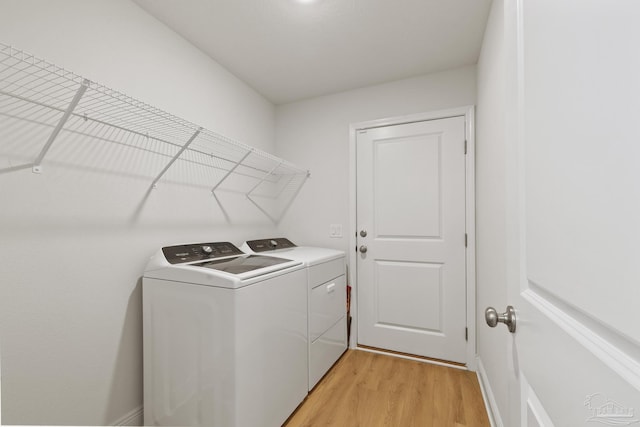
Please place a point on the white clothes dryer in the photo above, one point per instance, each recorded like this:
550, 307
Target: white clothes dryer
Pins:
327, 303
225, 337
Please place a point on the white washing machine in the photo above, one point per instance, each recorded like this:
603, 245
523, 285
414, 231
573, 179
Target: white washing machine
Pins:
327, 303
225, 337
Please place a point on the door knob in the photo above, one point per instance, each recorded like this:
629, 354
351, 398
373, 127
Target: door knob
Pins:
508, 318
363, 233
363, 249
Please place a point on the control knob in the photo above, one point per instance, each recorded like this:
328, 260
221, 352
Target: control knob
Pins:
207, 249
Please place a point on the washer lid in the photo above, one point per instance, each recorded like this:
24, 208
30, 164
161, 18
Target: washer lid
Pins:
245, 263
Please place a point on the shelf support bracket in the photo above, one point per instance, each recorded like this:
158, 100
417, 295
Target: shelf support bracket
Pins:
74, 102
230, 171
178, 154
264, 178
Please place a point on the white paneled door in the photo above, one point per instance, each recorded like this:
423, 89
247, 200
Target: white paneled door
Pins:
573, 203
411, 238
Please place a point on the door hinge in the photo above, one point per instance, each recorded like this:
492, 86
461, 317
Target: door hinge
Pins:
465, 146
466, 334
466, 239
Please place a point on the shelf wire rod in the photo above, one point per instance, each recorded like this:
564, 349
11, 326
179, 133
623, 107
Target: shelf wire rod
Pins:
109, 106
60, 94
37, 76
106, 133
178, 154
29, 113
114, 112
264, 178
220, 147
230, 171
32, 101
104, 129
95, 120
254, 168
38, 83
143, 125
221, 138
173, 144
221, 168
81, 90
215, 152
41, 115
19, 108
34, 120
146, 135
19, 73
127, 113
149, 113
138, 106
38, 95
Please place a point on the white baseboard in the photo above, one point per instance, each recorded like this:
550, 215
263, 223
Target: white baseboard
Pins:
489, 399
135, 417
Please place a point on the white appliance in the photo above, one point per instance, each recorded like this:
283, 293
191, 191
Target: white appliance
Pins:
326, 279
225, 337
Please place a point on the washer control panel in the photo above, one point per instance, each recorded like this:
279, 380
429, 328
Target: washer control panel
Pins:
270, 244
199, 252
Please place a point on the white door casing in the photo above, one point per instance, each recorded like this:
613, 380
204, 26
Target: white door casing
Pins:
411, 203
573, 198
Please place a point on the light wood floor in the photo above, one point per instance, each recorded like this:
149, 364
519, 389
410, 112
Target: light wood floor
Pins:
367, 389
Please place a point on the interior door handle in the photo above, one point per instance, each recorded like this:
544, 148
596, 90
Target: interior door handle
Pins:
363, 249
508, 318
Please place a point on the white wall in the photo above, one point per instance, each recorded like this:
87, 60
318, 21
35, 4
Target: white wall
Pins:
75, 239
491, 209
315, 133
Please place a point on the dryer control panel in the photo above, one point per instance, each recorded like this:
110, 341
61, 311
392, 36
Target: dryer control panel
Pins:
199, 252
270, 244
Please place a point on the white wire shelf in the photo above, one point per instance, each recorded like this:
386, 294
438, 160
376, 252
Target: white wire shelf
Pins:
37, 93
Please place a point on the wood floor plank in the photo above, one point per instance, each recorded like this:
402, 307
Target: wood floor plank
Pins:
368, 389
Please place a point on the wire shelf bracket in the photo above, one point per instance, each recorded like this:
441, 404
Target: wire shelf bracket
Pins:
37, 168
154, 184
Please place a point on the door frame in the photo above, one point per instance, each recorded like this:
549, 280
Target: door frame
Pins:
468, 112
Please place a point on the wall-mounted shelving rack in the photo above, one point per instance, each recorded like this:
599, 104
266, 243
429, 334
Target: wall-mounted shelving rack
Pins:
42, 94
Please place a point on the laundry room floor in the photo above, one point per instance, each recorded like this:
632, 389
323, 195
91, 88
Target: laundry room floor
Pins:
369, 389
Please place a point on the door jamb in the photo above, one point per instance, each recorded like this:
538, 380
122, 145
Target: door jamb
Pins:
468, 112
